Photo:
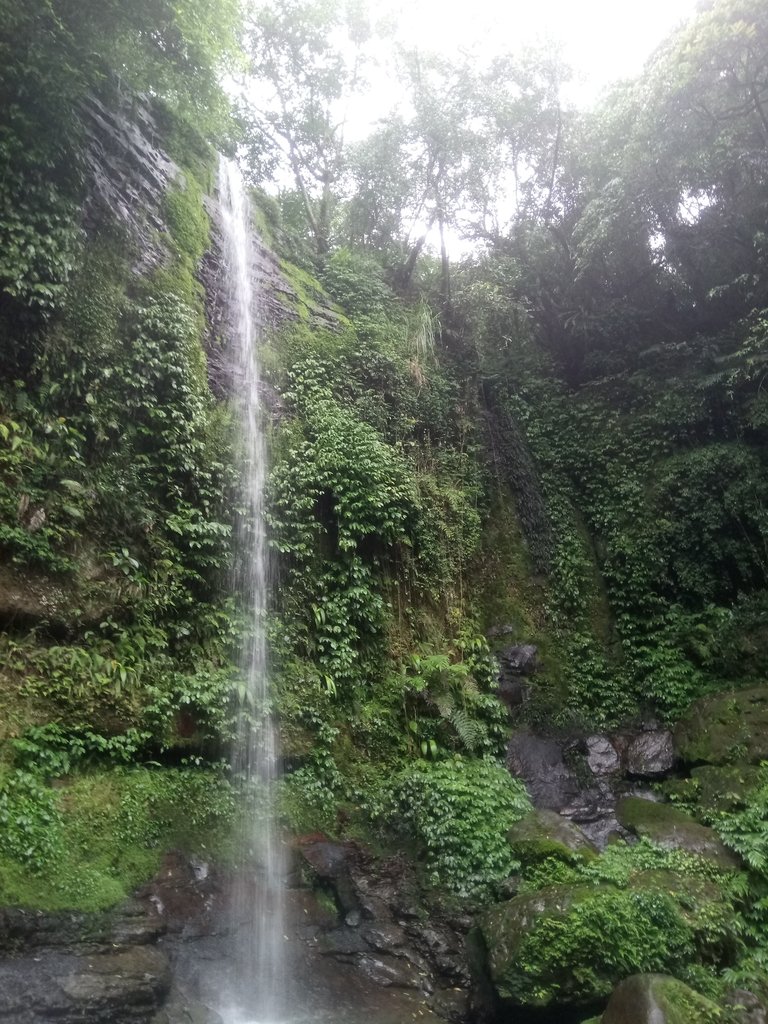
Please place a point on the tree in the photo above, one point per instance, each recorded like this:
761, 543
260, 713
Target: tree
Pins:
413, 174
306, 60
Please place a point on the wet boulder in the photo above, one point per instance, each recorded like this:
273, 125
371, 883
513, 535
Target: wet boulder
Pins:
650, 754
548, 948
602, 756
657, 999
544, 833
726, 728
673, 829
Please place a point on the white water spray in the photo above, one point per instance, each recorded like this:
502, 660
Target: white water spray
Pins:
257, 906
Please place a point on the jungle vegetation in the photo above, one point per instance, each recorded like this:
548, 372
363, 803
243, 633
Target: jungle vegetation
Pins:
562, 432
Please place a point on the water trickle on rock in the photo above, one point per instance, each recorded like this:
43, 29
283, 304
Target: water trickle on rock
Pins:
257, 905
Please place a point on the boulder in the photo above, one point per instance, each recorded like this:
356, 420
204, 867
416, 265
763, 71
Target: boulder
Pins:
651, 754
504, 929
538, 761
726, 787
548, 948
673, 829
658, 999
543, 834
602, 756
726, 728
745, 1007
120, 987
519, 660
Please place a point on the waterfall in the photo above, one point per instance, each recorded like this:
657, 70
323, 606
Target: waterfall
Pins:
256, 913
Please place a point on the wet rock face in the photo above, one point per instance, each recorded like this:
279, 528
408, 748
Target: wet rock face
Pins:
128, 173
516, 664
382, 930
119, 987
673, 829
657, 999
99, 968
539, 761
581, 778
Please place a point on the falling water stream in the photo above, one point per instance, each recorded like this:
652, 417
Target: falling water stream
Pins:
246, 978
257, 905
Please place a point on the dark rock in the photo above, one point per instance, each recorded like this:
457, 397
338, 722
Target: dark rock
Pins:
657, 999
386, 971
727, 728
673, 829
452, 1004
538, 761
134, 922
515, 664
183, 894
519, 660
384, 938
332, 863
138, 977
745, 1007
650, 754
329, 860
602, 756
119, 987
342, 941
543, 834
181, 1009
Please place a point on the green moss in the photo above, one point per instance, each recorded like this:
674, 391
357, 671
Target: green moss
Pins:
103, 834
542, 835
571, 944
725, 728
187, 220
672, 828
308, 290
186, 145
657, 997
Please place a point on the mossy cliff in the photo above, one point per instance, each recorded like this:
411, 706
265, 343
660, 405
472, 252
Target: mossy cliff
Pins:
451, 488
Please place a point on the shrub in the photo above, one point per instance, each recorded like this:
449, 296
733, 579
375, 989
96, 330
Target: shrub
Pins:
459, 812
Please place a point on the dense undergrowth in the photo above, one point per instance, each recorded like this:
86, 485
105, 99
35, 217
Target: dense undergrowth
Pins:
507, 448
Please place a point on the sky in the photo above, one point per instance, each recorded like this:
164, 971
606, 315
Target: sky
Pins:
603, 40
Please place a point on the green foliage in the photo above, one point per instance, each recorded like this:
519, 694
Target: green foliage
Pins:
458, 812
38, 236
30, 820
87, 845
452, 705
600, 940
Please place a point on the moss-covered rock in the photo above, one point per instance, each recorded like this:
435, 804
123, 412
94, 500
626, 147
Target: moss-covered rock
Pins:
713, 788
543, 834
673, 829
726, 728
569, 944
658, 999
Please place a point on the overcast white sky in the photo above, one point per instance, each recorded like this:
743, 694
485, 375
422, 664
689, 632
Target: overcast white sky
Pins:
603, 40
